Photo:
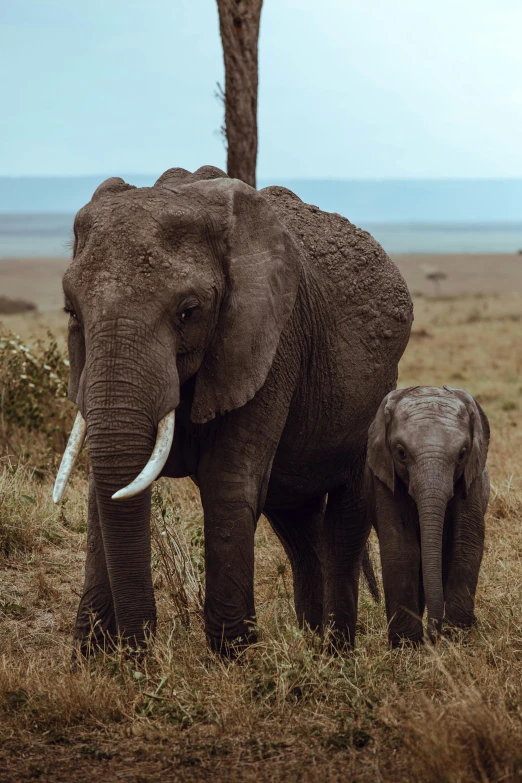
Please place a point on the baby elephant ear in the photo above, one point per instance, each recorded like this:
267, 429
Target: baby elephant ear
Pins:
379, 457
261, 268
479, 431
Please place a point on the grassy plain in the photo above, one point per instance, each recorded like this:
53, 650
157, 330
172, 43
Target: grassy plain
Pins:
289, 710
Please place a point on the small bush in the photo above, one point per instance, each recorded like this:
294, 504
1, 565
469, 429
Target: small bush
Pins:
27, 515
33, 390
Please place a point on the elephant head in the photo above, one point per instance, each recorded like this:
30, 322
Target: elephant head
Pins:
431, 440
185, 285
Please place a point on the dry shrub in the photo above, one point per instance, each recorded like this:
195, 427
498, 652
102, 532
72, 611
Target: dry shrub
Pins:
463, 733
33, 390
27, 515
177, 554
505, 501
43, 699
43, 589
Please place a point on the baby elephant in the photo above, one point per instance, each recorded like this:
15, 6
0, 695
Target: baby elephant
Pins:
427, 492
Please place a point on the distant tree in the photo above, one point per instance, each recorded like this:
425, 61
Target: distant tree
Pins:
239, 28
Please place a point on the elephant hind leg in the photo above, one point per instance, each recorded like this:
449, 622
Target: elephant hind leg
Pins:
346, 527
299, 529
95, 625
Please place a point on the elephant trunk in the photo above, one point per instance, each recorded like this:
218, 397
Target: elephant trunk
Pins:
431, 494
124, 397
119, 447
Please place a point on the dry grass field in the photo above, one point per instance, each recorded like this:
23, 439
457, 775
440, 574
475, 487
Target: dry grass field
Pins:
289, 710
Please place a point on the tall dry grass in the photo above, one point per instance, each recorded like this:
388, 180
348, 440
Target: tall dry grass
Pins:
288, 709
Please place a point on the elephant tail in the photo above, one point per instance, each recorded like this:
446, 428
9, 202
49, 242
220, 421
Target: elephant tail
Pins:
369, 574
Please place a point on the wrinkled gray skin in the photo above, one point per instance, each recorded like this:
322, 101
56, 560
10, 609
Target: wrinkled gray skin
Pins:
274, 330
427, 490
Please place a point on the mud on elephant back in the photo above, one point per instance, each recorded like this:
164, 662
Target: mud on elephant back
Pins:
269, 331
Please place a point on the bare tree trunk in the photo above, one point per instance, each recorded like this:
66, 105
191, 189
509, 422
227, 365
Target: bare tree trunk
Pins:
239, 28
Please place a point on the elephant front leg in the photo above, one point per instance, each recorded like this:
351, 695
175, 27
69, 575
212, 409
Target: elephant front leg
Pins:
233, 475
466, 547
95, 619
229, 571
401, 576
400, 553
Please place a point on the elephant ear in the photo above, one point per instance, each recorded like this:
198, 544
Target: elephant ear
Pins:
379, 457
261, 267
479, 430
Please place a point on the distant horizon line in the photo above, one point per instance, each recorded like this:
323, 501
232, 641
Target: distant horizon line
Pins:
280, 177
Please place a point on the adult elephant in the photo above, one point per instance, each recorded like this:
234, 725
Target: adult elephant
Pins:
273, 330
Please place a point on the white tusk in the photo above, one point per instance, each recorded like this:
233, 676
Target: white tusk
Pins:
158, 458
70, 455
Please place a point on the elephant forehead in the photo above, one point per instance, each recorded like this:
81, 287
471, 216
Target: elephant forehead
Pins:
138, 217
126, 245
157, 202
429, 404
436, 425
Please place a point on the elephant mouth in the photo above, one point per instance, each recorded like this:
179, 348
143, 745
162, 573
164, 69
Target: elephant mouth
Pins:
151, 471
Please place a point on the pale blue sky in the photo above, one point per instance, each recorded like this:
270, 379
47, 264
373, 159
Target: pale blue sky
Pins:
348, 88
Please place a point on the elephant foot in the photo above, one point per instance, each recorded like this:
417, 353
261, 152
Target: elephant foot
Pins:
231, 649
95, 628
93, 641
233, 644
399, 642
87, 647
311, 621
99, 640
339, 639
459, 621
453, 629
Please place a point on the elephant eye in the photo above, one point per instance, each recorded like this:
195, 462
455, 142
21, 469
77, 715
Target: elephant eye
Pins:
70, 312
187, 313
401, 453
462, 454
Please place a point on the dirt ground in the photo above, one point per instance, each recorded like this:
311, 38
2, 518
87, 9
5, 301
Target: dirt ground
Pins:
465, 274
39, 279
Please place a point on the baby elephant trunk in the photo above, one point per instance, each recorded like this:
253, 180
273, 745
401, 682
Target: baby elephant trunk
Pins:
432, 496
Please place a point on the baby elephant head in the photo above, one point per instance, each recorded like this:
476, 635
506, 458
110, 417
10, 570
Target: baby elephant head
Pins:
432, 441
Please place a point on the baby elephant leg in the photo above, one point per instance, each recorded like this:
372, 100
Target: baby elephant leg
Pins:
466, 548
401, 570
